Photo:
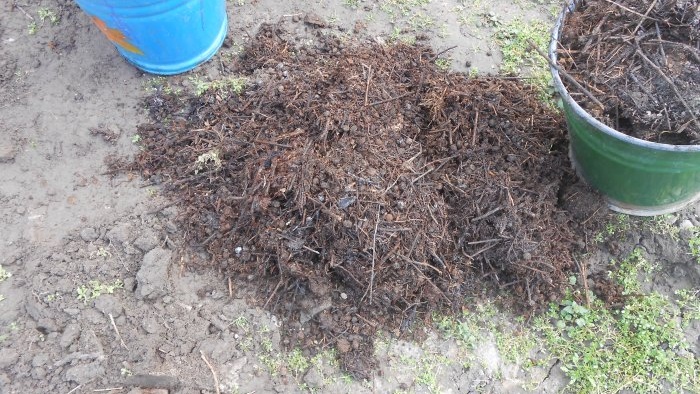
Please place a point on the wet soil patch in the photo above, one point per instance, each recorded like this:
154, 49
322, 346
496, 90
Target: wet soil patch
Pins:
360, 188
641, 60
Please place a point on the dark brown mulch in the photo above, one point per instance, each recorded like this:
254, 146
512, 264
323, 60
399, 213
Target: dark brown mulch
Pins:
362, 189
641, 59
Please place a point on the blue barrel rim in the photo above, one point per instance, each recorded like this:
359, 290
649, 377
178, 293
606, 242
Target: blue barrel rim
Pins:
183, 66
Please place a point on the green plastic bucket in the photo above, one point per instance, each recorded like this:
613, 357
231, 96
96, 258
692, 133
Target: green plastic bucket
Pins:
637, 177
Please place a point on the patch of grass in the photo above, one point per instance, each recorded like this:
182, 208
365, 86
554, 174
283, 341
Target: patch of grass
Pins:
694, 243
232, 85
95, 288
32, 28
4, 274
200, 86
100, 252
266, 344
242, 323
518, 59
515, 346
354, 4
630, 269
210, 159
640, 347
443, 63
159, 85
297, 362
427, 371
48, 14
688, 302
471, 321
51, 297
619, 225
661, 225
397, 35
271, 363
246, 344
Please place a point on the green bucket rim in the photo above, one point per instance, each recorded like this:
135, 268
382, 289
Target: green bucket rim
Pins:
564, 93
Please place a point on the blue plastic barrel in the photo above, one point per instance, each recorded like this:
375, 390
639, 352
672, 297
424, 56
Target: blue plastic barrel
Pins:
161, 36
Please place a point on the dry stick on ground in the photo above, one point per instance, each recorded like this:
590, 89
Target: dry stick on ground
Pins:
441, 52
389, 99
653, 3
273, 292
211, 368
74, 389
114, 325
693, 51
23, 11
369, 79
567, 76
631, 10
584, 275
476, 123
670, 82
374, 258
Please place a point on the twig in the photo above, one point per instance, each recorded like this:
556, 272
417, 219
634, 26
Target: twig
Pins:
288, 238
476, 123
75, 388
631, 10
592, 216
114, 325
444, 161
567, 76
369, 78
487, 214
162, 207
670, 82
272, 143
644, 17
584, 275
486, 241
273, 292
661, 46
441, 52
480, 251
216, 378
374, 257
107, 389
693, 51
230, 287
28, 16
389, 99
371, 323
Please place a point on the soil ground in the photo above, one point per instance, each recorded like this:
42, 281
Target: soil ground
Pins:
97, 299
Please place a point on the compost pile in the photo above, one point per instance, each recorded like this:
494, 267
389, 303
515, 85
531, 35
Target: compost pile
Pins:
641, 59
361, 188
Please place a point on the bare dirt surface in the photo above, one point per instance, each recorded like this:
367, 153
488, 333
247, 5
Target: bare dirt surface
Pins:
101, 297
